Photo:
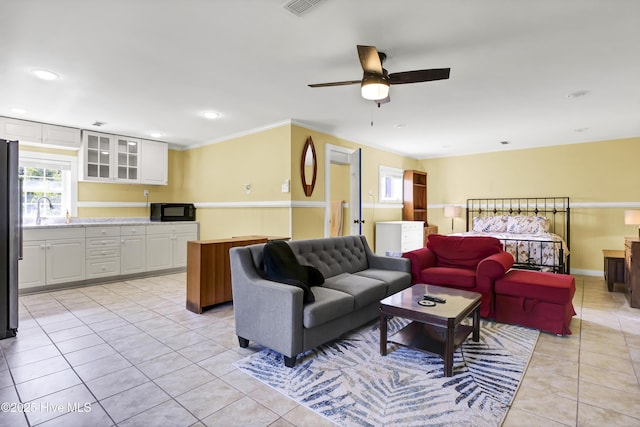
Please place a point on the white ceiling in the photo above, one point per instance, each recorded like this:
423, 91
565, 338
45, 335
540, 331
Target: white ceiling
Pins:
156, 65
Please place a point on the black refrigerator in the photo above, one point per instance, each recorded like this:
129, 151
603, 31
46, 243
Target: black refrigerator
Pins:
10, 237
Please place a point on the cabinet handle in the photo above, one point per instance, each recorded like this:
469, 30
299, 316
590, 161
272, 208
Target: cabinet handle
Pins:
41, 246
104, 252
103, 231
48, 246
122, 241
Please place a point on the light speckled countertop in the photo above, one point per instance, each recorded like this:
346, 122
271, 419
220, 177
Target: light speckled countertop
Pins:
88, 222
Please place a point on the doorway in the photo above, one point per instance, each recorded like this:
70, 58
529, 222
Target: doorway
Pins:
337, 161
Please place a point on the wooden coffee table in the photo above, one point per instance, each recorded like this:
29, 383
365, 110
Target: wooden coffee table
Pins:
434, 329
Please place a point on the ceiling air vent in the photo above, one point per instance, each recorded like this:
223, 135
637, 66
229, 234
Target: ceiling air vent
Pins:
298, 7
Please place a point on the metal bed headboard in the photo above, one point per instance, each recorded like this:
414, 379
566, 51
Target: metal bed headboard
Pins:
557, 209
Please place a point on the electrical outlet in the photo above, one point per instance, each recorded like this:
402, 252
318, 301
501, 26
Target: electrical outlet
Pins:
146, 193
370, 193
247, 188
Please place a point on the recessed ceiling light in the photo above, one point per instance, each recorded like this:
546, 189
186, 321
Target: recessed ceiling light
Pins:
580, 129
98, 123
211, 114
18, 110
399, 126
505, 142
156, 134
45, 74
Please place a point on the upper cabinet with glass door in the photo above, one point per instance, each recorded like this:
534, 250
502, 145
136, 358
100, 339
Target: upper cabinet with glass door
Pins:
128, 150
122, 159
96, 156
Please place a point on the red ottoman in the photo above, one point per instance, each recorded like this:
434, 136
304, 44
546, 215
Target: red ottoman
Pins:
536, 299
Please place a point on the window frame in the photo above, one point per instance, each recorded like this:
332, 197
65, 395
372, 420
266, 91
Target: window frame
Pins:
72, 161
391, 172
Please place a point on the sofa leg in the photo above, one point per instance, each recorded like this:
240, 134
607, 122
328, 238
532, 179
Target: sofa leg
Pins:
244, 343
289, 362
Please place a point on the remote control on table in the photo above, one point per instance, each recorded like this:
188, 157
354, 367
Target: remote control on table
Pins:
434, 299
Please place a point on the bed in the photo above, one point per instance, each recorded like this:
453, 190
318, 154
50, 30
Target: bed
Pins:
536, 231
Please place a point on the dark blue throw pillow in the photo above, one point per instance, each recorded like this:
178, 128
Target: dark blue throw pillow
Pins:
282, 266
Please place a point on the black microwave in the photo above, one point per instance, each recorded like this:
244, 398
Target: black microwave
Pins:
173, 212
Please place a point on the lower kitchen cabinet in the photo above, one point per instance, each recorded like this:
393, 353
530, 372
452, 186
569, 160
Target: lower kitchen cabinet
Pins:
167, 245
77, 254
52, 256
132, 249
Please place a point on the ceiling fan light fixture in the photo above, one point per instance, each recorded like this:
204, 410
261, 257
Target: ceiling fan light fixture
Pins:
374, 87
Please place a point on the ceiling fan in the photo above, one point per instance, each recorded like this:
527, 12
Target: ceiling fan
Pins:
376, 80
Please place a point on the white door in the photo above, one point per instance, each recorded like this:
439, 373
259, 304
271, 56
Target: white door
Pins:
65, 260
180, 249
132, 254
32, 267
159, 251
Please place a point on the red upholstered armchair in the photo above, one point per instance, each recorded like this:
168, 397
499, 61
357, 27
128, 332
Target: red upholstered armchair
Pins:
462, 262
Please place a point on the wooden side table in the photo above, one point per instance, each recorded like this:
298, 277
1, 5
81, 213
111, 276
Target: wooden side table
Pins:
613, 267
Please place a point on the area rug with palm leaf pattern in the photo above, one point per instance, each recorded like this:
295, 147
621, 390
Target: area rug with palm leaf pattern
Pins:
351, 384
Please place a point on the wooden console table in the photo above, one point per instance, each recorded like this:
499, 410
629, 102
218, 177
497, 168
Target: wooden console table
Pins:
209, 272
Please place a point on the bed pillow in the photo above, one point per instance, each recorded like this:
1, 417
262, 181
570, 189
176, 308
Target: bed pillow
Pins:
528, 224
490, 224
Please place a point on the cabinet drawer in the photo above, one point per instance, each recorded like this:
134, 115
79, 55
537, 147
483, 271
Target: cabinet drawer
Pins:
108, 252
132, 230
103, 267
103, 242
172, 228
103, 231
412, 226
53, 233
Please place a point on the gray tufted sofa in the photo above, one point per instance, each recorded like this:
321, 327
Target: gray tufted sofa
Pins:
272, 314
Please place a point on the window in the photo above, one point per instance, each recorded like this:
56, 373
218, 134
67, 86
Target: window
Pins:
390, 184
48, 175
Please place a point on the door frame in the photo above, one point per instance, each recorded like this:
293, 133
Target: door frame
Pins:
341, 155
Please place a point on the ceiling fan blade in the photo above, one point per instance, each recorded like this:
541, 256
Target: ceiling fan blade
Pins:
418, 76
369, 59
348, 82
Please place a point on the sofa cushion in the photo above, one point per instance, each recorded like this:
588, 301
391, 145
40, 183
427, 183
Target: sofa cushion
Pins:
329, 305
281, 265
332, 256
395, 280
364, 290
462, 251
550, 287
456, 277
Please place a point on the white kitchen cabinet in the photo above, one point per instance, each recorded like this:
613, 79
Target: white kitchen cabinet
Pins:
32, 266
44, 134
96, 157
154, 162
126, 157
21, 130
102, 251
61, 136
132, 249
122, 159
395, 237
64, 260
167, 245
59, 253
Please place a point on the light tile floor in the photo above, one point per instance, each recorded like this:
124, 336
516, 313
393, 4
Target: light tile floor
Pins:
130, 354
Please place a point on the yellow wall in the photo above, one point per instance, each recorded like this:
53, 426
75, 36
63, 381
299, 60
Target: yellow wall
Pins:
591, 173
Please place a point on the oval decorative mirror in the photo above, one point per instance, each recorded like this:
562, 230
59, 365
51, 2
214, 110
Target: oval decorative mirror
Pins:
308, 167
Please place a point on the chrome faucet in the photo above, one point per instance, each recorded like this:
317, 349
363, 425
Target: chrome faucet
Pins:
38, 217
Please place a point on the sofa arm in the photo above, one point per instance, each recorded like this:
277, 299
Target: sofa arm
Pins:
420, 259
495, 266
384, 262
269, 313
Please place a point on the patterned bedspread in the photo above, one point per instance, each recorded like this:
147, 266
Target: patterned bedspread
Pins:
540, 249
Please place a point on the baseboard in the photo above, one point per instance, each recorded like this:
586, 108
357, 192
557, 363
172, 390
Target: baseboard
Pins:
583, 272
